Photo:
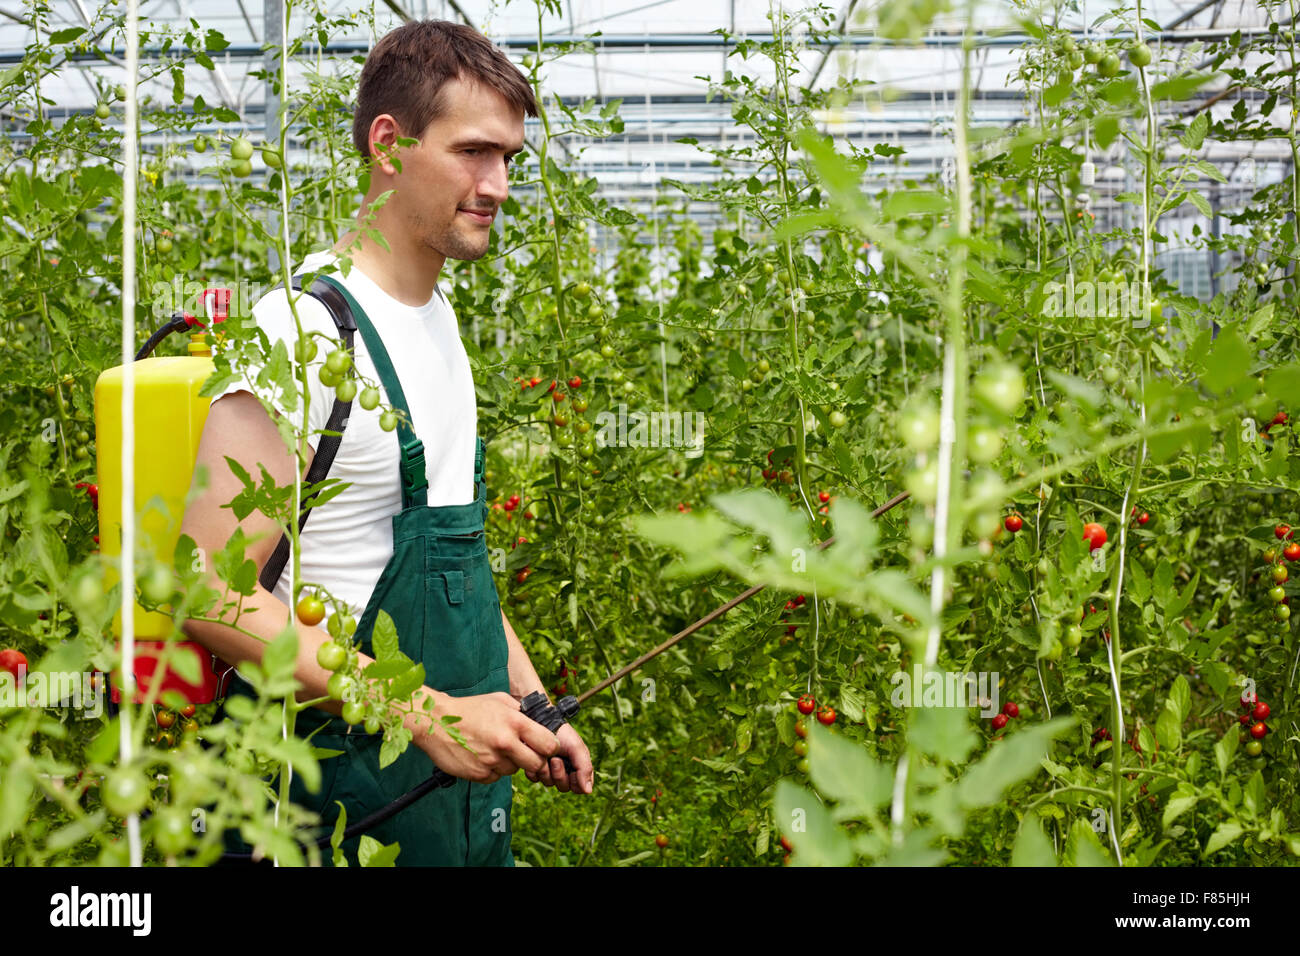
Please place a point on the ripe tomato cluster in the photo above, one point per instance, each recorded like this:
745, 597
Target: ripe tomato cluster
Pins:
1010, 710
167, 720
92, 490
1141, 519
1279, 419
791, 606
1254, 713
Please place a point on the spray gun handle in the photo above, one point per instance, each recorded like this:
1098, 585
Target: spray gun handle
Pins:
551, 716
536, 707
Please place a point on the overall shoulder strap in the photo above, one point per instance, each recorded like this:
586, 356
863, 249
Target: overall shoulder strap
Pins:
414, 478
341, 312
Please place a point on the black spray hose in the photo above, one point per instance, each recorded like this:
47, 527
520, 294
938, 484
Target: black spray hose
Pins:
178, 323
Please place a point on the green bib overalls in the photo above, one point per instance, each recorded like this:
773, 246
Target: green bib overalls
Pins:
439, 591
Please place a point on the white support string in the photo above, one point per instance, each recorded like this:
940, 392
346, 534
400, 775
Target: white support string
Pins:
130, 170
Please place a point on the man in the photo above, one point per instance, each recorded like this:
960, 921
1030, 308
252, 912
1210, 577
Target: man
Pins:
418, 555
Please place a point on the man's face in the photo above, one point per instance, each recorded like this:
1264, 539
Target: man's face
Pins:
453, 182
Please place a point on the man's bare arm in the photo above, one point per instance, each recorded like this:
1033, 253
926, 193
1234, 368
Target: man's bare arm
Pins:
502, 739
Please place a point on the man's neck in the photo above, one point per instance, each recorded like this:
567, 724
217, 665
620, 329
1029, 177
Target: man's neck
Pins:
408, 270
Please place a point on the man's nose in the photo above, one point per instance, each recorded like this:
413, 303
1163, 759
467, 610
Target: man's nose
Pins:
495, 185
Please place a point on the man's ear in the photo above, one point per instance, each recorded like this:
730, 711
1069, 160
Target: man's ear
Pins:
384, 133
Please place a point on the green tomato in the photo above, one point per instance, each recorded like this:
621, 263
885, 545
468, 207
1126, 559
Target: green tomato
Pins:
120, 92
369, 398
271, 157
388, 420
338, 686
331, 656
328, 378
338, 361
200, 143
373, 725
1255, 747
1110, 374
1139, 54
354, 711
157, 585
346, 390
241, 149
102, 111
241, 169
1073, 635
171, 831
837, 419
125, 792
1109, 65
918, 427
1002, 386
163, 245
304, 350
985, 444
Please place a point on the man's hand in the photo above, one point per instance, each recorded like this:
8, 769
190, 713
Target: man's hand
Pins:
502, 738
554, 775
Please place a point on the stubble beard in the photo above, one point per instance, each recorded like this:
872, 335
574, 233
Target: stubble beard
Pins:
454, 243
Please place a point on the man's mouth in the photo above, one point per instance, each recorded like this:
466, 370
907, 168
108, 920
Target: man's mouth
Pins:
484, 218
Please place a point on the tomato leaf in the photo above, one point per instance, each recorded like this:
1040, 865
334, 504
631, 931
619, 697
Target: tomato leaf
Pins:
1010, 761
383, 639
809, 827
1032, 847
372, 853
1221, 837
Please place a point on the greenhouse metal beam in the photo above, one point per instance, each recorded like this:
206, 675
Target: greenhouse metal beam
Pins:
691, 41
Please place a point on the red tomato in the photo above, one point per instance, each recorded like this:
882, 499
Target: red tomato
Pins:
1094, 534
806, 704
826, 716
1013, 523
1259, 730
999, 721
1011, 709
1282, 531
1143, 518
15, 662
1261, 711
1292, 551
575, 382
823, 496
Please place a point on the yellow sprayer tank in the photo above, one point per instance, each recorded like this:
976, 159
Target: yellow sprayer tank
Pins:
169, 418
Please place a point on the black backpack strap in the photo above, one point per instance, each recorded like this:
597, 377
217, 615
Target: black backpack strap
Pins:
346, 324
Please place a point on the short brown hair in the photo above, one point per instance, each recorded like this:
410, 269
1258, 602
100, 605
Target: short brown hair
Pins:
407, 69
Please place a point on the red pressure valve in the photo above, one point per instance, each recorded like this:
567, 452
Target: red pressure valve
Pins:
216, 304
